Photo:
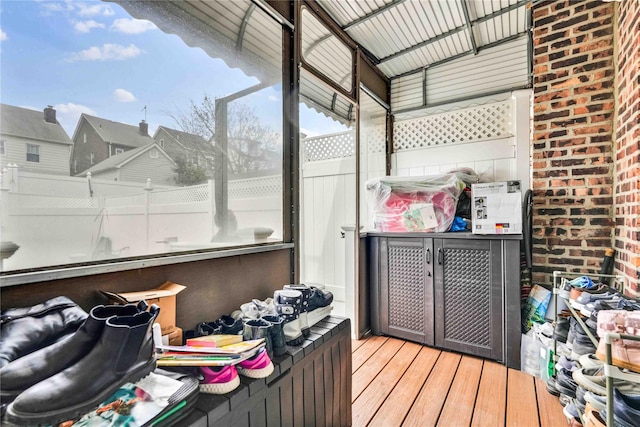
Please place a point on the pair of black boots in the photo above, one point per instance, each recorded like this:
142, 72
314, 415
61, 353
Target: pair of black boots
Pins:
65, 380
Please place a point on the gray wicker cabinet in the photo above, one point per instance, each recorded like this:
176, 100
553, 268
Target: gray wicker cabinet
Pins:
454, 291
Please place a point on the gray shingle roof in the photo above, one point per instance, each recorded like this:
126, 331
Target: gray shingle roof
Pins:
26, 123
118, 133
188, 140
118, 160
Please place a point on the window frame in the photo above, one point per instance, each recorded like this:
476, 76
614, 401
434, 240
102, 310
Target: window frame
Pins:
290, 130
32, 154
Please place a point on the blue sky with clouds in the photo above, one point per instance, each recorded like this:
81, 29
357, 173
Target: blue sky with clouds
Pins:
92, 57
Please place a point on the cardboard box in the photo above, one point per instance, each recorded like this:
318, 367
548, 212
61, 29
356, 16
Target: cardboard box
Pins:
173, 338
496, 208
163, 296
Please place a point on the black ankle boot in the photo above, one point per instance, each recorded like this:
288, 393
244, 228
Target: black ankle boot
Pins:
124, 353
278, 341
28, 370
258, 328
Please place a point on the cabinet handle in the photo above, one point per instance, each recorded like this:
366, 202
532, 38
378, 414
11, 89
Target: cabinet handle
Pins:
440, 256
428, 256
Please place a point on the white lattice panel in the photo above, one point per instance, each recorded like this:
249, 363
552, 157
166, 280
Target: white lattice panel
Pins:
491, 121
29, 201
325, 147
376, 138
255, 187
195, 193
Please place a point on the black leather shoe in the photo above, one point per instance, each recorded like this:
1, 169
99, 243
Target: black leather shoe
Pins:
26, 371
124, 353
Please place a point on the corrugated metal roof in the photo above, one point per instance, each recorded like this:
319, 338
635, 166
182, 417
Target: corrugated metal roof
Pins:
26, 123
404, 36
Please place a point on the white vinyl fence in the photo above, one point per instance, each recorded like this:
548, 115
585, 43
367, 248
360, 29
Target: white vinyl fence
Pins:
68, 224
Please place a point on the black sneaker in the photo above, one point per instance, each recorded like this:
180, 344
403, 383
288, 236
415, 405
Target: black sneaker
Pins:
551, 386
565, 383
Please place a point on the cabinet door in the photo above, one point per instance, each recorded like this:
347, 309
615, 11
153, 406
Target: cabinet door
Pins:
406, 297
468, 296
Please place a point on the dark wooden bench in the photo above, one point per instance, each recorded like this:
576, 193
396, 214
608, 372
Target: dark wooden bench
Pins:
310, 386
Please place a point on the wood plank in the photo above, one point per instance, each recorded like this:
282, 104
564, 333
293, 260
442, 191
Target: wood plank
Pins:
458, 408
366, 405
549, 408
522, 408
427, 406
491, 402
365, 351
318, 383
363, 376
355, 344
399, 402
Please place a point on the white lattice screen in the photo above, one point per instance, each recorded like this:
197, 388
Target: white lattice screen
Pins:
195, 193
264, 186
490, 121
376, 138
325, 147
29, 201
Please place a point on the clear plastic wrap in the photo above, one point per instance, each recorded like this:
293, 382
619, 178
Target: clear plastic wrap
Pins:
426, 203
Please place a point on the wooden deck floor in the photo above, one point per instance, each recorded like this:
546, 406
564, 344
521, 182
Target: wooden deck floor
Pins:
403, 383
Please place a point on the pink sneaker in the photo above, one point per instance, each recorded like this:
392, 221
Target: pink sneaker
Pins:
219, 379
258, 366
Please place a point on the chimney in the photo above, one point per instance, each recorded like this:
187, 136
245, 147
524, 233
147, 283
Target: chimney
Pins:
144, 128
50, 115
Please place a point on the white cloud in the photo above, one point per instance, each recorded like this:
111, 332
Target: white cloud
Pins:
132, 26
94, 10
69, 114
3, 35
52, 7
122, 95
106, 52
86, 26
273, 98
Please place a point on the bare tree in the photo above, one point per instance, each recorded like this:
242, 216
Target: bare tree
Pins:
252, 146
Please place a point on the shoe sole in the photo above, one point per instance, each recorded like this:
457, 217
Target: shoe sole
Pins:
220, 388
256, 373
80, 409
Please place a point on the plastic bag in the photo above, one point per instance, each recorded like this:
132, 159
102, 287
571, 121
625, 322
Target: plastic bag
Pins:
401, 204
536, 306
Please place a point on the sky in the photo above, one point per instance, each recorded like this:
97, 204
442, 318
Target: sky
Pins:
92, 57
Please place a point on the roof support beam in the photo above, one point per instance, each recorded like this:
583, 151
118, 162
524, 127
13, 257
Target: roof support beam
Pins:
454, 31
243, 26
472, 39
459, 55
370, 15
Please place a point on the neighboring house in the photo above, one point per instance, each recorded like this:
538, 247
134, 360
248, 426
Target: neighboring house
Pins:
193, 148
137, 165
96, 139
34, 140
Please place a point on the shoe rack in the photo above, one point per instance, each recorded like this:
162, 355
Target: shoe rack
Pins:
610, 370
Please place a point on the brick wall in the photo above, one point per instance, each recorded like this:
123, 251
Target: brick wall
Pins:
586, 153
573, 163
627, 147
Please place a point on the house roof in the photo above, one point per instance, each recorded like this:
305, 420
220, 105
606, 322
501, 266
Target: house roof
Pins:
185, 139
116, 132
26, 123
119, 160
